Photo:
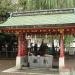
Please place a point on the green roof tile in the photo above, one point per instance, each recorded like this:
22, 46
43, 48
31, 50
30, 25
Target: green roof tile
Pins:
40, 20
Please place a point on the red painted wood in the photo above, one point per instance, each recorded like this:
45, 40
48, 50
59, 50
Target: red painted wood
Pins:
49, 30
22, 48
62, 45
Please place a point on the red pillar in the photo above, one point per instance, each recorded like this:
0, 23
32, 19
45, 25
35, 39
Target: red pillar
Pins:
61, 57
22, 51
22, 48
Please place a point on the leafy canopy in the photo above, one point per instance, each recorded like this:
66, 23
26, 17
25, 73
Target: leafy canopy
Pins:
6, 6
45, 4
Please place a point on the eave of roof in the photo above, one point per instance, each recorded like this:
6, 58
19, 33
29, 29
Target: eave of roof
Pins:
53, 19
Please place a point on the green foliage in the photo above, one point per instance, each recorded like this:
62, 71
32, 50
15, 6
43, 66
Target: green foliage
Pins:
6, 6
7, 38
68, 39
1, 22
45, 4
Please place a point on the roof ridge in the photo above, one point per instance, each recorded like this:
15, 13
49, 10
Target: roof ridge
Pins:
43, 12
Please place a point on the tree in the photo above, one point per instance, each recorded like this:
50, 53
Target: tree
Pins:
45, 4
5, 7
68, 40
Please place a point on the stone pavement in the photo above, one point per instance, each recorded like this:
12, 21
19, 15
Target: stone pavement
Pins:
39, 71
33, 71
8, 65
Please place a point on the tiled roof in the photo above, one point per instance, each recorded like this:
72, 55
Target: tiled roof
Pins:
53, 19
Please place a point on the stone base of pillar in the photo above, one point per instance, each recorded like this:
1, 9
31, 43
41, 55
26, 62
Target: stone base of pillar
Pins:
61, 62
21, 61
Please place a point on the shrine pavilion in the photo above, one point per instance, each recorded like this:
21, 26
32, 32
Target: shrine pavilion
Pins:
50, 22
